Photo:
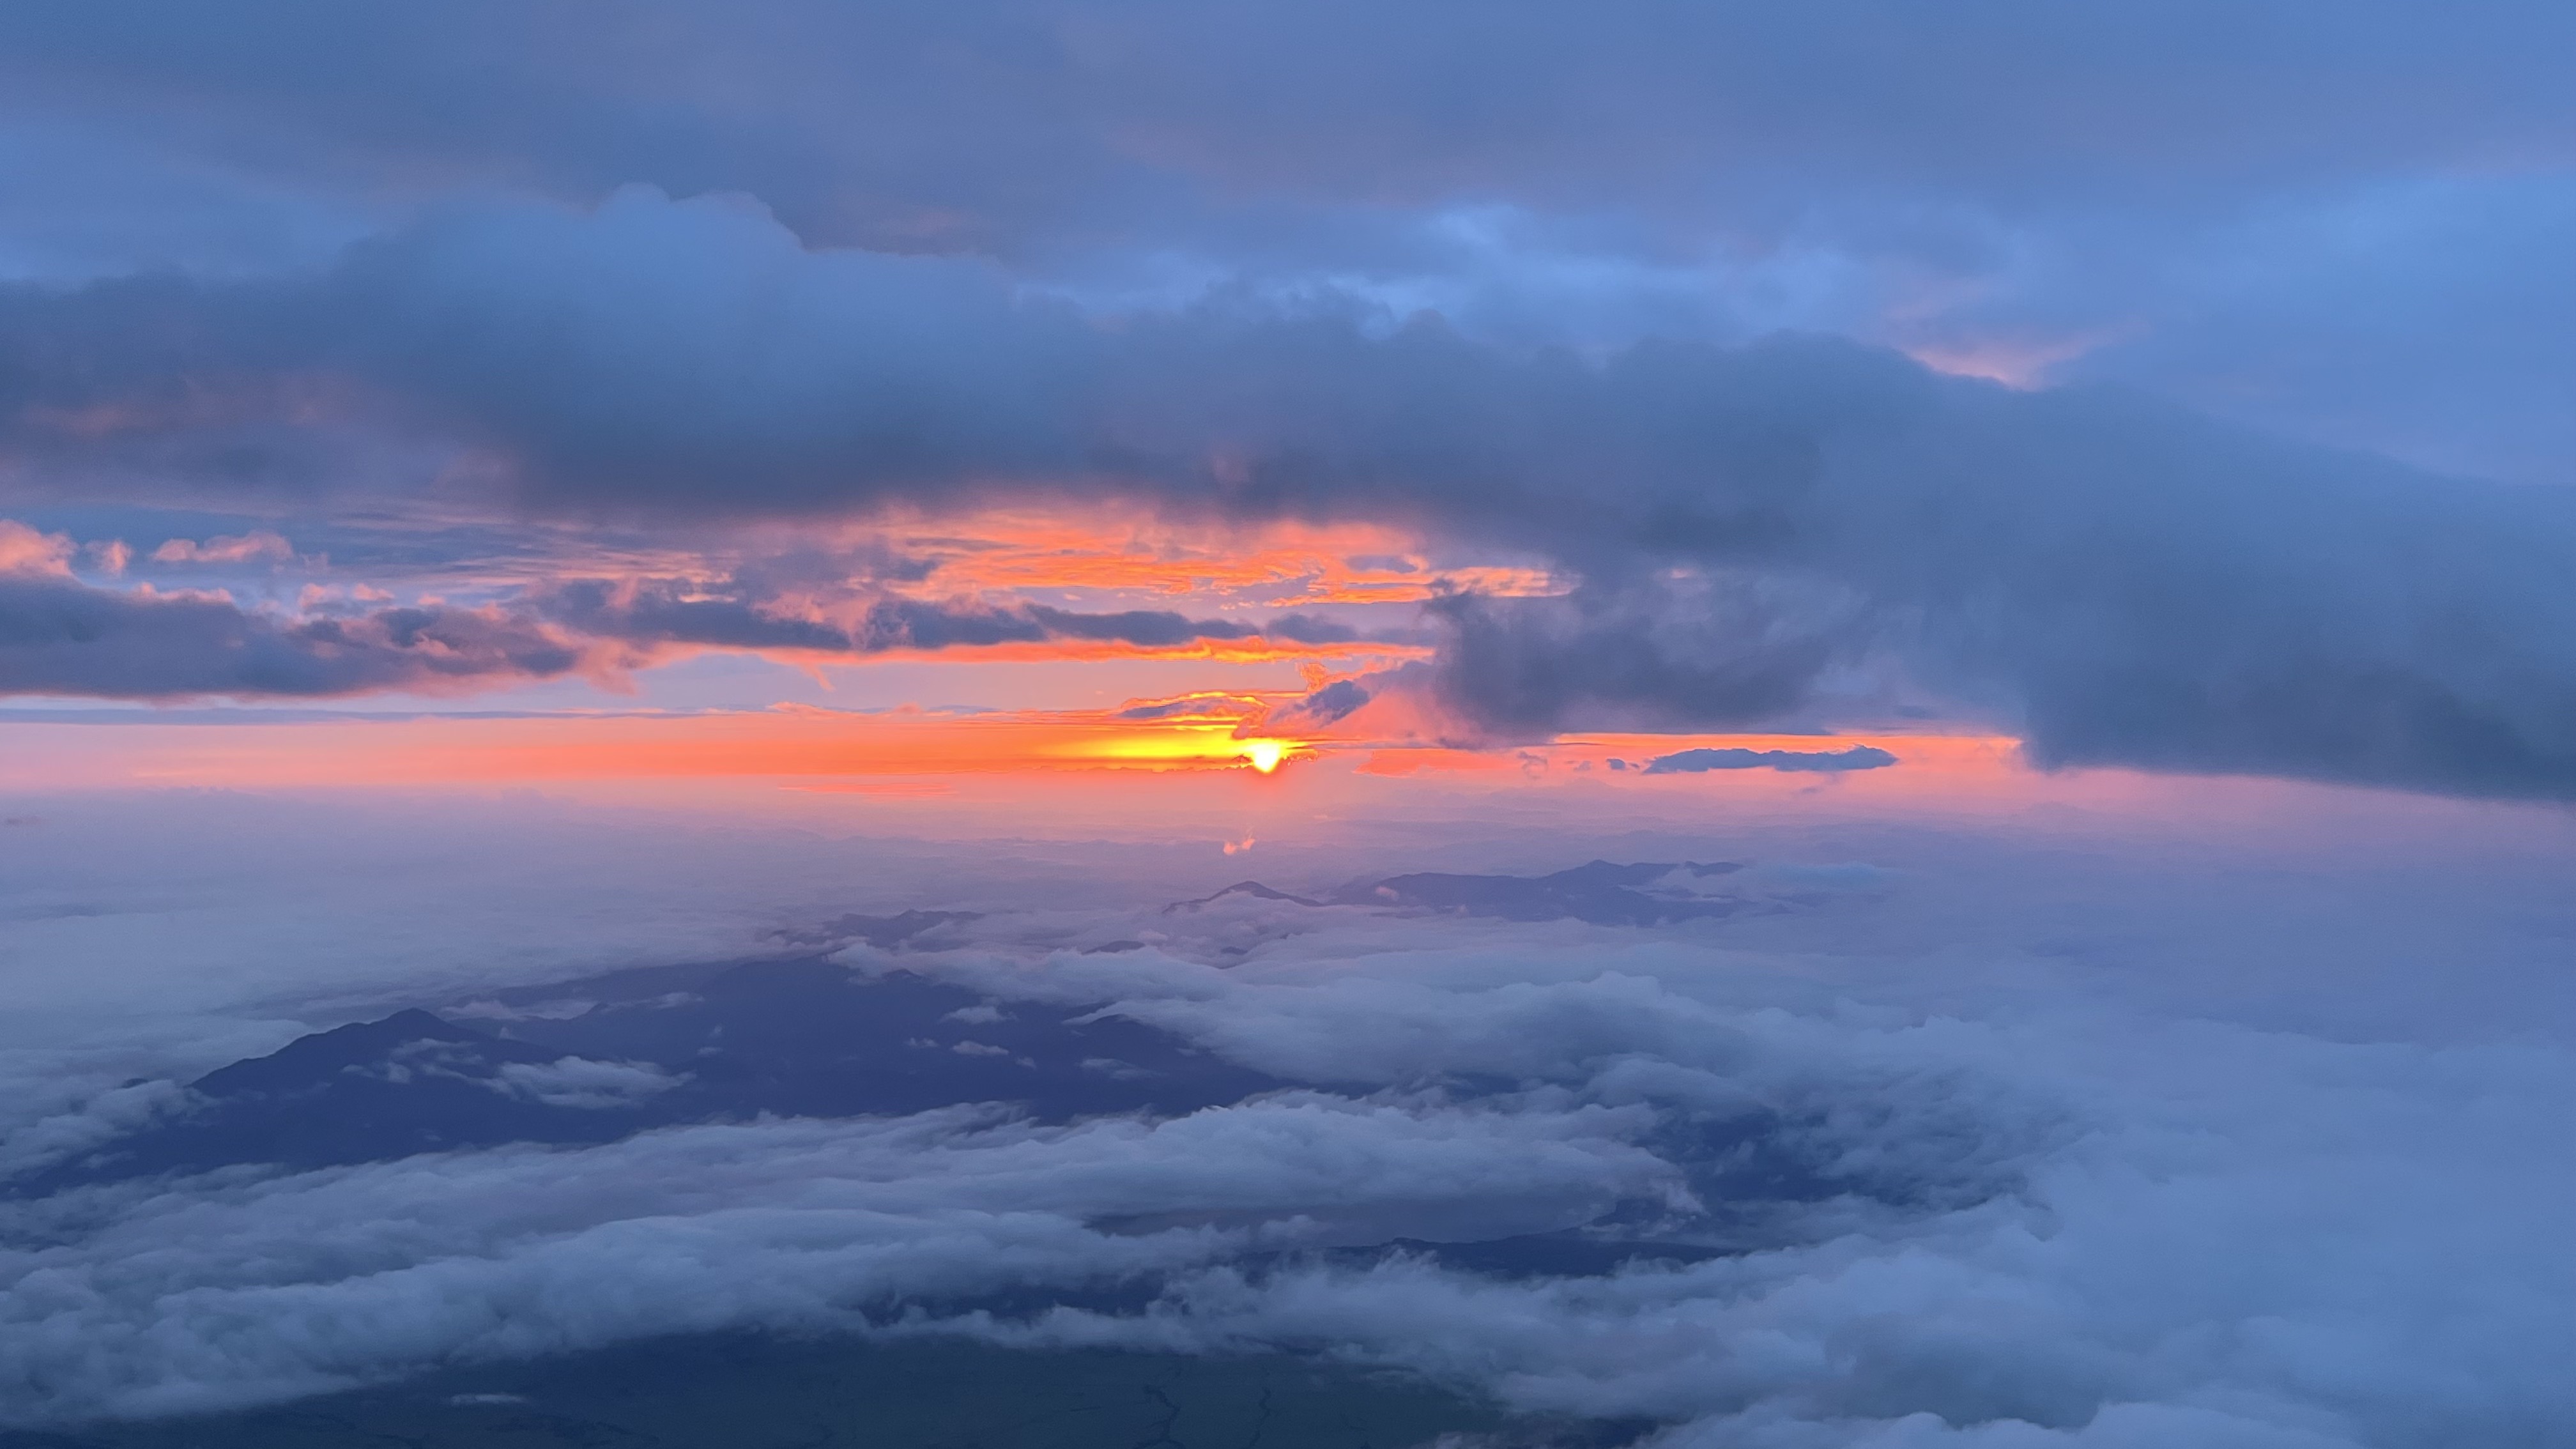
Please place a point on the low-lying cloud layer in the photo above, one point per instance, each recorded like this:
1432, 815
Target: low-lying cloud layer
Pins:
1624, 1172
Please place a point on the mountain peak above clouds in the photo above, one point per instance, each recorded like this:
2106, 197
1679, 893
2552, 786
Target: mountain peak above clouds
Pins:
1252, 888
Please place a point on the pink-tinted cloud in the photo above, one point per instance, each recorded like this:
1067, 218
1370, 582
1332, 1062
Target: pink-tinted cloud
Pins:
257, 547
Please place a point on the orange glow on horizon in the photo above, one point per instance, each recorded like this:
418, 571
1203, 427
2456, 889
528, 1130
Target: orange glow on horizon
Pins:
905, 751
1181, 743
834, 750
1075, 774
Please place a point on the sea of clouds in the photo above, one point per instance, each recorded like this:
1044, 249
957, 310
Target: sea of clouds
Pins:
1911, 1194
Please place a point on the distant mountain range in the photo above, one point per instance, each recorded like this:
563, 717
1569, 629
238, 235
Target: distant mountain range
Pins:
593, 1060
598, 1059
1650, 893
753, 1391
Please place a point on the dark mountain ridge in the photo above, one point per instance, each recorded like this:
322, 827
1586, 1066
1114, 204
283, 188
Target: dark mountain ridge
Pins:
1600, 892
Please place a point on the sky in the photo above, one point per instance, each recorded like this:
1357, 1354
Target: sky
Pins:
2078, 503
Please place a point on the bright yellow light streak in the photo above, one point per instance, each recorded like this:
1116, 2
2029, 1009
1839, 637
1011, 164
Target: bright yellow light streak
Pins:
1181, 745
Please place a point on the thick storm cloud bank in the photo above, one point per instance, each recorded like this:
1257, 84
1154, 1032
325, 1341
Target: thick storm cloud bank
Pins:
2346, 218
1757, 531
1612, 1172
1050, 114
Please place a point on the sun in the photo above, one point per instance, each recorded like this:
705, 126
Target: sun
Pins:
1265, 755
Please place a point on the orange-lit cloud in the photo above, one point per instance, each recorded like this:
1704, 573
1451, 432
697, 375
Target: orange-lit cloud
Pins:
1280, 565
1253, 649
23, 550
258, 546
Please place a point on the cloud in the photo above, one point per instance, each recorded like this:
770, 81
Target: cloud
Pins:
763, 1224
1327, 705
1187, 706
1535, 666
2002, 1142
1692, 762
27, 553
1759, 531
60, 636
2073, 1256
261, 546
1040, 121
582, 1082
1854, 1223
853, 617
2218, 202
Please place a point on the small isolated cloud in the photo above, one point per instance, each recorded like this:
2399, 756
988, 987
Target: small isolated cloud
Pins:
25, 551
1335, 701
581, 1082
1828, 762
255, 547
1187, 707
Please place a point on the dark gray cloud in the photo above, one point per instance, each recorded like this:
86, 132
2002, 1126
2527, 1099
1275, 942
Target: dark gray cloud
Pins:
881, 123
2407, 314
668, 612
59, 636
1167, 709
1534, 666
1335, 701
745, 614
1693, 762
1302, 628
2342, 218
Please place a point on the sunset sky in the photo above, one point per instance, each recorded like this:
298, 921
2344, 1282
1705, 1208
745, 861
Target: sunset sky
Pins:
2073, 506
503, 399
